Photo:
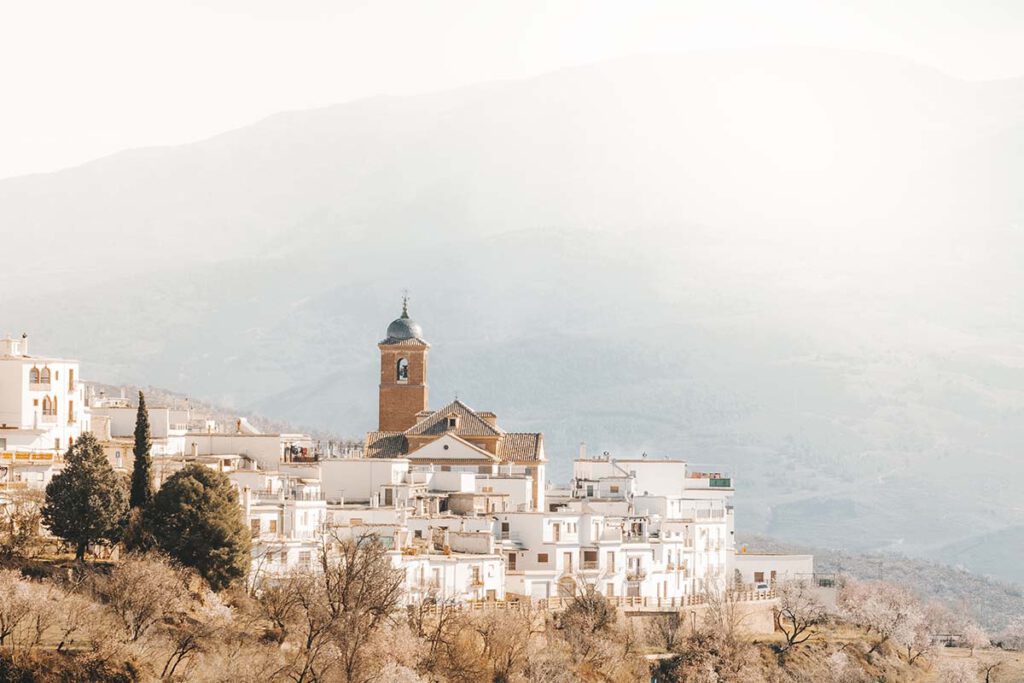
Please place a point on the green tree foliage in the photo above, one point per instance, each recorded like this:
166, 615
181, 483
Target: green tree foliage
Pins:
142, 471
87, 502
195, 518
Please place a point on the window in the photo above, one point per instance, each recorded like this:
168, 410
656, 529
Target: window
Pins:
614, 488
567, 563
758, 577
476, 576
609, 590
33, 375
71, 379
305, 557
542, 558
273, 526
3, 444
44, 377
556, 532
418, 533
511, 562
254, 527
611, 561
452, 421
50, 406
402, 371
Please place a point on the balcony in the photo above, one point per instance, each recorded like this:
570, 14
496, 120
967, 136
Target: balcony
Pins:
590, 565
636, 574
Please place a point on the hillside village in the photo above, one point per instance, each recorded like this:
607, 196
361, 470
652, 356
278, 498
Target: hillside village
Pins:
441, 515
462, 505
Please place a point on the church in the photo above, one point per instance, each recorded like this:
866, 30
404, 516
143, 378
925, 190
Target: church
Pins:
452, 438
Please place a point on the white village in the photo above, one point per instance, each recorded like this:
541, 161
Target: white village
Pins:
462, 506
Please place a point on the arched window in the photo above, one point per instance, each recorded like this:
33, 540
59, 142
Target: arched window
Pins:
33, 375
47, 406
45, 378
402, 370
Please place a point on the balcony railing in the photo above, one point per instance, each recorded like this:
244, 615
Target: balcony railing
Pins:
590, 565
636, 574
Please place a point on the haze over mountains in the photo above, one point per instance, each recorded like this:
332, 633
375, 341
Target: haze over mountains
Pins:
801, 263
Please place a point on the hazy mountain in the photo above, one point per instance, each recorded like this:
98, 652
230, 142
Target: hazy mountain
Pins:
803, 263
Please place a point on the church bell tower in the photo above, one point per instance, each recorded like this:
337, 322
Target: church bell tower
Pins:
403, 373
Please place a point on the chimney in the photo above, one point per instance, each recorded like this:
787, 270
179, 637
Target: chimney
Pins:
247, 500
24, 343
583, 450
195, 449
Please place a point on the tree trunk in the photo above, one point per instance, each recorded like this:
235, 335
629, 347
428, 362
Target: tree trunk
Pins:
80, 552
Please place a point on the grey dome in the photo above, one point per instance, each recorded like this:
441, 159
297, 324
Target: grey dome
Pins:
404, 328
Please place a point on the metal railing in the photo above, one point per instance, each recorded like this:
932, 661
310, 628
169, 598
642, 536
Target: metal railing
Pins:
628, 602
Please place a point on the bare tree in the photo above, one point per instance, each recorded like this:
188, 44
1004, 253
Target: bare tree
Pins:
799, 611
507, 639
335, 612
20, 517
140, 592
15, 603
666, 631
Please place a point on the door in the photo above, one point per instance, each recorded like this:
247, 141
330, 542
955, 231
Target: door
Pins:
567, 563
556, 531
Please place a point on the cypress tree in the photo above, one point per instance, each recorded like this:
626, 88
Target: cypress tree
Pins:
86, 503
142, 470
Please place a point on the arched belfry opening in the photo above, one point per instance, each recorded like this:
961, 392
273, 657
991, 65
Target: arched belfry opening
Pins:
402, 371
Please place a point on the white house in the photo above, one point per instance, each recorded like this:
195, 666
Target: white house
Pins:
42, 411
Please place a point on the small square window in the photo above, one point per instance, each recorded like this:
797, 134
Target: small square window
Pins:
542, 558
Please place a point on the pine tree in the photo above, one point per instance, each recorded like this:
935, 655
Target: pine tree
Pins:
86, 503
142, 470
195, 518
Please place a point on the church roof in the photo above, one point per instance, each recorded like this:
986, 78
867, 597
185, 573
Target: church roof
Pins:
385, 445
469, 423
519, 446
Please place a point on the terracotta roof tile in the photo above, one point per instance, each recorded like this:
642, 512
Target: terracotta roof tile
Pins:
385, 445
520, 446
469, 424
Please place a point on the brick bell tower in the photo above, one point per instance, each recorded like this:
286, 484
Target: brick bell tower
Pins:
403, 373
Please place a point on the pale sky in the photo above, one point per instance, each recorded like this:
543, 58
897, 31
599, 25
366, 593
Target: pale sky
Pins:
79, 80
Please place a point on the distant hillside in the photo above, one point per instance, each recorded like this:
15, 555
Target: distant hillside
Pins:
990, 602
804, 264
204, 410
